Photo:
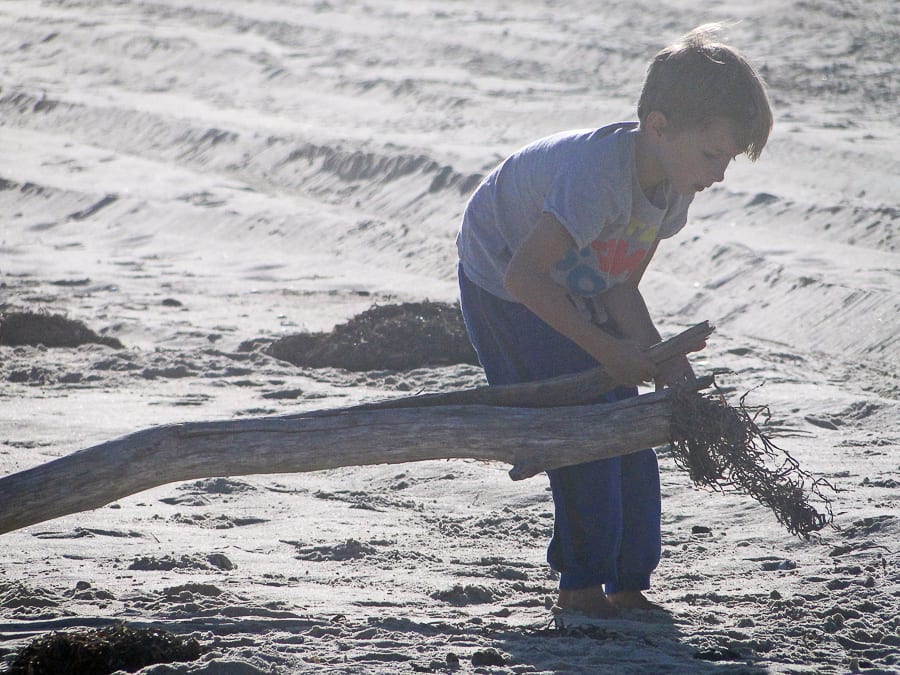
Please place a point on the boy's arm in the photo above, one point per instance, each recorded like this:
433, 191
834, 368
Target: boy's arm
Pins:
530, 281
626, 308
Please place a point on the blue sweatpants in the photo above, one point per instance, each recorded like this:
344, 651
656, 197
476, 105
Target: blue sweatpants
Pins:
607, 512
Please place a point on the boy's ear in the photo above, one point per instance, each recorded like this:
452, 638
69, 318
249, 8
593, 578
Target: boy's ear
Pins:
656, 123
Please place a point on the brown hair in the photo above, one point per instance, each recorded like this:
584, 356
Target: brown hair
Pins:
697, 79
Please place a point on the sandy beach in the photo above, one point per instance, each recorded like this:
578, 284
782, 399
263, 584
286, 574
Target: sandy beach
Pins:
197, 179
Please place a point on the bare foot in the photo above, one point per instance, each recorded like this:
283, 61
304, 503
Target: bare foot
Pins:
590, 601
632, 600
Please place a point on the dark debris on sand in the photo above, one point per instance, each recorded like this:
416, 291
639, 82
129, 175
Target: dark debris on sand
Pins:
50, 330
385, 337
102, 651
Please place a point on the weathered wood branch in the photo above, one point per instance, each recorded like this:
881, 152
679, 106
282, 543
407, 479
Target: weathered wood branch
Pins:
507, 426
564, 390
531, 439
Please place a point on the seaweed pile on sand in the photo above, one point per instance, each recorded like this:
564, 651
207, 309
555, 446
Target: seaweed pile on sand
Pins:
50, 330
386, 337
102, 651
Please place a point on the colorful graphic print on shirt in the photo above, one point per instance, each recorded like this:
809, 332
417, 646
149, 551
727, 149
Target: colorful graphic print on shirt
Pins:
604, 263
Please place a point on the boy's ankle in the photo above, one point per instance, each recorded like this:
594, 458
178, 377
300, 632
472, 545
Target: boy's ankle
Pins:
591, 601
631, 600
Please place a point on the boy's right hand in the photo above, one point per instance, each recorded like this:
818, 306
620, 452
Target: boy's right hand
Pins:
627, 363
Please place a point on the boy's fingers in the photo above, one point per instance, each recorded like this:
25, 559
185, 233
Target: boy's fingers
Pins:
700, 347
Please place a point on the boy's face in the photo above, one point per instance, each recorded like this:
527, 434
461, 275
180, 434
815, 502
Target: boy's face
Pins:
694, 159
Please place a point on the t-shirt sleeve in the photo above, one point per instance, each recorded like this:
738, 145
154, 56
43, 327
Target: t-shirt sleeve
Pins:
583, 203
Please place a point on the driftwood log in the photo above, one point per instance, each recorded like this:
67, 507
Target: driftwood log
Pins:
521, 425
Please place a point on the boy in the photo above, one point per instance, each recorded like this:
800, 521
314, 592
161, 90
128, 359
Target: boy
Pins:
552, 247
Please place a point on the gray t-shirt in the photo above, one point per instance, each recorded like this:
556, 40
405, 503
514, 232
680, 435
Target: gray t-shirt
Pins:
588, 180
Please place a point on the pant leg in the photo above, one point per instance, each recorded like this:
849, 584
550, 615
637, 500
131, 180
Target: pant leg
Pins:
640, 548
607, 526
588, 523
591, 532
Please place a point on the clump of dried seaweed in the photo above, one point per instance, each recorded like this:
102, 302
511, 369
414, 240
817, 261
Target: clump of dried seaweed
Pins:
103, 651
723, 448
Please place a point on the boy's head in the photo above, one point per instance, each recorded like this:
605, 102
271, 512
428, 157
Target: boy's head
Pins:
697, 79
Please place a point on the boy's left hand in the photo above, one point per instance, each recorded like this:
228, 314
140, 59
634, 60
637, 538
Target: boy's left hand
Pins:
672, 372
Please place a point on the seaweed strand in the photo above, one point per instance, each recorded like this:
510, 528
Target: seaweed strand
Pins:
723, 448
